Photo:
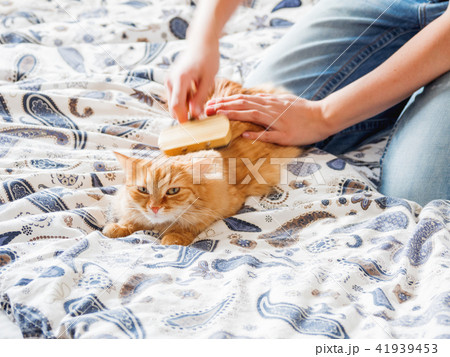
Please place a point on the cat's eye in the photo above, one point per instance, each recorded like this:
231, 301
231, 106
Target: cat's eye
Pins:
142, 189
172, 191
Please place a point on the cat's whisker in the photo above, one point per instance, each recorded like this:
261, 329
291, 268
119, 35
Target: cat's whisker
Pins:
179, 216
184, 219
205, 213
208, 211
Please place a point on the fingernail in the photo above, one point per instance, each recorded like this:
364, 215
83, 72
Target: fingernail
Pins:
245, 135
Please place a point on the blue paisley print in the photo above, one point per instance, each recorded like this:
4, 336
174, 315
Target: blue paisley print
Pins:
302, 320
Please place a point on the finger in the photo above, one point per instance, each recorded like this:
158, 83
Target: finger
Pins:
210, 111
251, 116
199, 99
274, 137
178, 100
237, 97
239, 104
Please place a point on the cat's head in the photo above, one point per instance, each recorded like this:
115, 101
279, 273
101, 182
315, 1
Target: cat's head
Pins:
167, 189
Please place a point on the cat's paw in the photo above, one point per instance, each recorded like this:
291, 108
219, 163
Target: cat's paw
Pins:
176, 239
115, 230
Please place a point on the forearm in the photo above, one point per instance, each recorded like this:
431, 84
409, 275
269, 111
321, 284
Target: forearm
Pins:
422, 59
210, 19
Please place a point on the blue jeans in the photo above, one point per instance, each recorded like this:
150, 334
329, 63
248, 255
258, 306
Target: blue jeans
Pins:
339, 41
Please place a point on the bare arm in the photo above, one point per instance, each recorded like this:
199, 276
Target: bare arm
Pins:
422, 59
210, 18
200, 62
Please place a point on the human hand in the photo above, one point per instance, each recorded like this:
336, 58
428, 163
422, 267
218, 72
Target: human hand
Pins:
197, 67
287, 119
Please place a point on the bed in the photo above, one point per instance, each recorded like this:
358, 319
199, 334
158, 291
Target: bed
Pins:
323, 256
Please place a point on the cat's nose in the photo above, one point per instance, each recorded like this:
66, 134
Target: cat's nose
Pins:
155, 209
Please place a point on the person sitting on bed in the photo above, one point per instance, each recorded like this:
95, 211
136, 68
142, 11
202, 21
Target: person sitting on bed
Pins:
360, 69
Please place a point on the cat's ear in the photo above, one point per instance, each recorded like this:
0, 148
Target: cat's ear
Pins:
131, 167
135, 168
123, 159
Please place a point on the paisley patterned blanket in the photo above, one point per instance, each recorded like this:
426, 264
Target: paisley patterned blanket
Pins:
324, 255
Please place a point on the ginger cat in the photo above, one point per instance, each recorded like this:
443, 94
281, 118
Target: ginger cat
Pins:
180, 196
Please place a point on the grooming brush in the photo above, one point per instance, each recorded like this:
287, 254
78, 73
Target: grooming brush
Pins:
195, 135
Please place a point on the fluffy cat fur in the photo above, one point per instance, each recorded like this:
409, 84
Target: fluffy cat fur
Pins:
150, 183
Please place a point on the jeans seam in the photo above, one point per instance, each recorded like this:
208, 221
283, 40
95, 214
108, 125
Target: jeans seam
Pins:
369, 124
422, 15
351, 65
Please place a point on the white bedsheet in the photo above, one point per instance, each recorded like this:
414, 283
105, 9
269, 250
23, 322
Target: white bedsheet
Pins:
324, 255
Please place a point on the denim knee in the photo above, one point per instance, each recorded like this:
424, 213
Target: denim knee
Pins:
415, 163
